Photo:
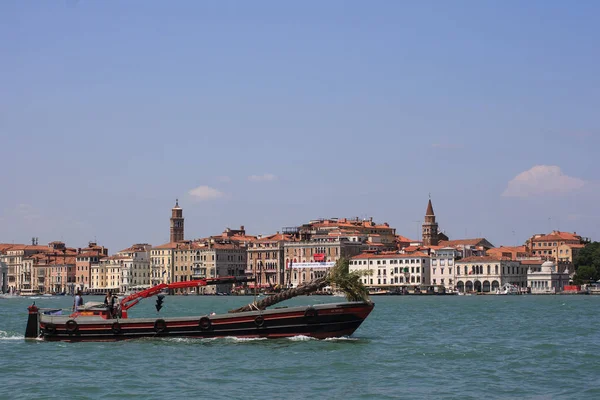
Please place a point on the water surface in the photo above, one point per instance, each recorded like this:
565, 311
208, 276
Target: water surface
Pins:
468, 347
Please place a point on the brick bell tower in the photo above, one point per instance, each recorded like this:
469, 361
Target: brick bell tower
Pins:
430, 227
176, 223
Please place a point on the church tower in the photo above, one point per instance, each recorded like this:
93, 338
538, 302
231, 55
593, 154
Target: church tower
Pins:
430, 227
176, 223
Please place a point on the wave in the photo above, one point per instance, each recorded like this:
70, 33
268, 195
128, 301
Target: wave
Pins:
10, 336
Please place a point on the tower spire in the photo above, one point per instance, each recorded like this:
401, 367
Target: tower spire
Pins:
177, 221
430, 227
429, 208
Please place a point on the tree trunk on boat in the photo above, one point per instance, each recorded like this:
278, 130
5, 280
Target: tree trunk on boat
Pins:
301, 290
339, 275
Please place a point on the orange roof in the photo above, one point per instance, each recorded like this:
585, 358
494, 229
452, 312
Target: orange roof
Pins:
30, 247
400, 238
89, 254
389, 255
483, 259
5, 246
276, 238
557, 235
532, 262
170, 245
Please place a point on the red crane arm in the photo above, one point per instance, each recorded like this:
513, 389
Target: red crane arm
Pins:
134, 298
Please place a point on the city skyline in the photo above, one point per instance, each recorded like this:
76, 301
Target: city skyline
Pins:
270, 115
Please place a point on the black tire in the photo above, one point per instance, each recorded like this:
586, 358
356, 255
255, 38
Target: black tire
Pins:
160, 325
71, 326
116, 328
311, 314
205, 323
259, 321
50, 329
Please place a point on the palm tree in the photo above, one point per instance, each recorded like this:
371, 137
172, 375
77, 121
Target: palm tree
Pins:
338, 276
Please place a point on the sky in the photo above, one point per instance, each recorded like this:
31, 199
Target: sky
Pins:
269, 114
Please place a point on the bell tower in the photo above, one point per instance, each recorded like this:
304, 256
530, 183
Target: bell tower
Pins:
176, 223
430, 227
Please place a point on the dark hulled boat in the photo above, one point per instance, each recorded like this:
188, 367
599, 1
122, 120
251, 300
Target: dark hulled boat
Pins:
96, 323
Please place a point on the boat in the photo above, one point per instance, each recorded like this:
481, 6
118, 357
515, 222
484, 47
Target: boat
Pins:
95, 322
507, 289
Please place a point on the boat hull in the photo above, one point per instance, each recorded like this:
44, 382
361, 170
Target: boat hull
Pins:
320, 321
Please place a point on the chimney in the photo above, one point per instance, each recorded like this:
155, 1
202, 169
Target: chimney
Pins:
242, 228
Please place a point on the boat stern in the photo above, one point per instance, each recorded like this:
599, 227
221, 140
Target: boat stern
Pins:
33, 322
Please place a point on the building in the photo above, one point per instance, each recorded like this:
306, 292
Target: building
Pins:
430, 227
135, 270
83, 264
443, 271
12, 257
511, 252
546, 278
381, 236
161, 263
310, 258
218, 258
162, 257
548, 246
177, 221
83, 269
568, 252
392, 270
468, 247
486, 274
265, 260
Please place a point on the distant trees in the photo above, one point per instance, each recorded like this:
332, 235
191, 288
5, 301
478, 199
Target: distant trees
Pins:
587, 264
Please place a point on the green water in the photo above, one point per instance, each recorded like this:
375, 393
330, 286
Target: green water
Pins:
467, 347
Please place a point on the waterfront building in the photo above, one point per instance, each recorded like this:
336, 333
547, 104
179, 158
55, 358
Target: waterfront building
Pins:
443, 271
266, 260
546, 278
311, 257
135, 270
488, 273
468, 247
12, 257
392, 270
381, 236
110, 273
568, 252
162, 257
161, 263
510, 252
83, 264
83, 269
549, 245
217, 257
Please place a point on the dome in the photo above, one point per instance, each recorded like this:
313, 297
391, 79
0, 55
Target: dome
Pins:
548, 266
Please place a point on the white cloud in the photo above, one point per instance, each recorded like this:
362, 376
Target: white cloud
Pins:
542, 180
205, 193
262, 178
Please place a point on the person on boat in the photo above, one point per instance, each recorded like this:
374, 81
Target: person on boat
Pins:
109, 301
78, 302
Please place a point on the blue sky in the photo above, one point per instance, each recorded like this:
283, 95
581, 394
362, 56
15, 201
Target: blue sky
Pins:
269, 114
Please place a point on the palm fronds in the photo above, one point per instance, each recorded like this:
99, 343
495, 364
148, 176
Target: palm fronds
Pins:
339, 276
